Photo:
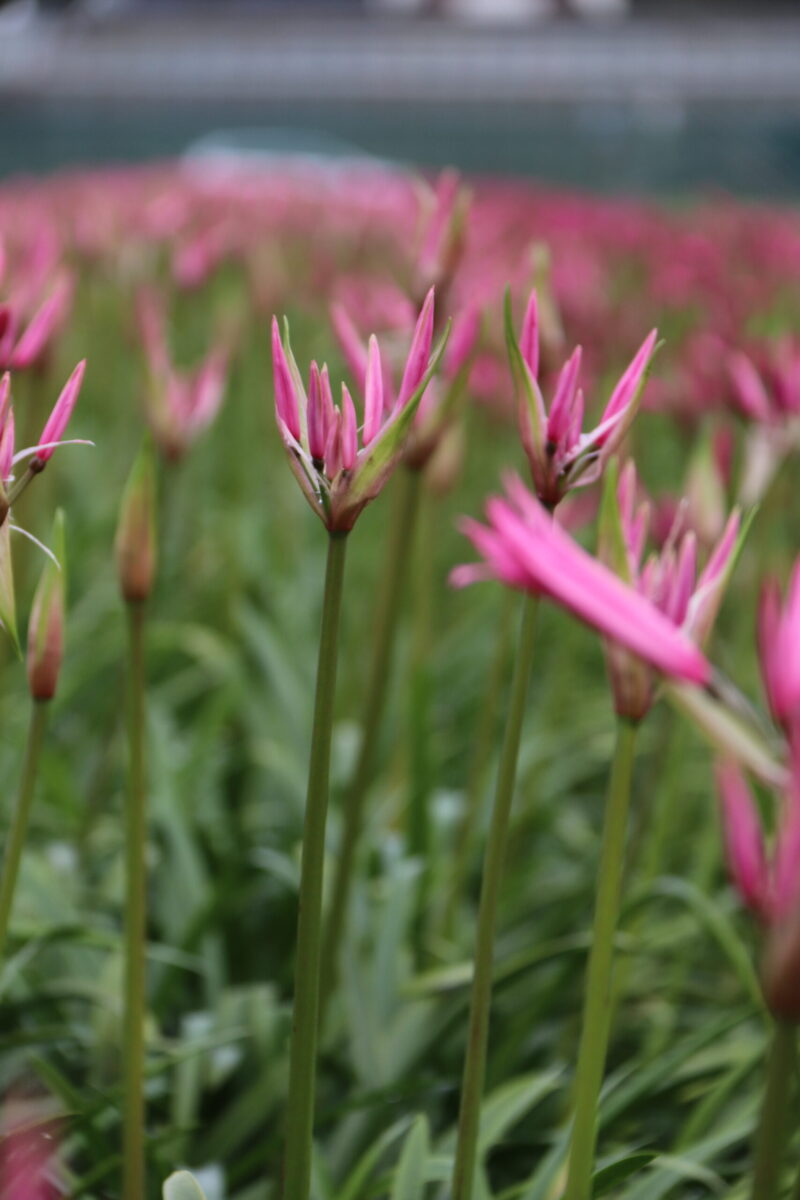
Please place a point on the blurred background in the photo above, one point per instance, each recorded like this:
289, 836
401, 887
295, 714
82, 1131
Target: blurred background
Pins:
618, 95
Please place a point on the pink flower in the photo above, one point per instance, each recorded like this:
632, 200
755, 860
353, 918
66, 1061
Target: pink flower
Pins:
769, 883
668, 580
338, 475
779, 649
58, 420
560, 454
179, 404
524, 548
27, 1153
23, 339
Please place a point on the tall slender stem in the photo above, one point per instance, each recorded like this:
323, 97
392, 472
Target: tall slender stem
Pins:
20, 816
770, 1143
372, 715
303, 1052
598, 998
479, 761
494, 859
133, 1167
419, 725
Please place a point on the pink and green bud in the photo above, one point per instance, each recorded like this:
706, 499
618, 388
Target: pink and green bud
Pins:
55, 427
135, 545
46, 626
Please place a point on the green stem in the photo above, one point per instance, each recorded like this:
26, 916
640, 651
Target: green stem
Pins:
420, 698
494, 859
770, 1144
135, 915
482, 749
20, 816
303, 1052
374, 704
598, 995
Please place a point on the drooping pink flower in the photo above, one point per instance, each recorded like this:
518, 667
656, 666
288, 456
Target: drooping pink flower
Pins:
180, 404
338, 471
560, 454
668, 579
524, 548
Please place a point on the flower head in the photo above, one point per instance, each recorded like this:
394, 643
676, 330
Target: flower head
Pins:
768, 882
340, 467
668, 579
560, 454
523, 547
179, 404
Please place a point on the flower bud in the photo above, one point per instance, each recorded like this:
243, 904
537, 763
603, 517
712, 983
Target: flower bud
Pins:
46, 626
135, 545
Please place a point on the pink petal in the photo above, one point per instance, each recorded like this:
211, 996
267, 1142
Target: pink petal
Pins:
529, 336
749, 387
625, 391
419, 354
373, 393
42, 326
743, 839
350, 344
286, 401
62, 411
560, 420
349, 435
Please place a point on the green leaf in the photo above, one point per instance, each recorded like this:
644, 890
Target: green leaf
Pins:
611, 539
509, 1103
409, 1178
183, 1186
728, 730
618, 1171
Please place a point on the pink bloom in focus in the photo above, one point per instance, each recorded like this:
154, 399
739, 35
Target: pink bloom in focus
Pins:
524, 548
179, 404
338, 475
560, 454
668, 580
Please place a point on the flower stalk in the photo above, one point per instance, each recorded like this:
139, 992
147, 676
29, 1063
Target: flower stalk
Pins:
770, 1143
389, 605
305, 1024
598, 999
21, 816
494, 859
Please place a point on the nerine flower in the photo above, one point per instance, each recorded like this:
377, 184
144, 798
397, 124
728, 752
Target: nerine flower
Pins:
524, 548
768, 882
25, 332
779, 649
668, 579
768, 395
435, 411
560, 454
179, 404
51, 436
340, 465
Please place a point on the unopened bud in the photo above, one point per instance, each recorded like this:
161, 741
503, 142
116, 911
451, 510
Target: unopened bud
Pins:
135, 545
46, 626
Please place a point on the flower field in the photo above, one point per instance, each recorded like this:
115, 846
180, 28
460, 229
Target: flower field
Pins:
401, 690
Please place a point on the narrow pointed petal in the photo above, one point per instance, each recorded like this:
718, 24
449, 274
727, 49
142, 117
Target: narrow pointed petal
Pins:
748, 387
42, 326
286, 400
58, 420
681, 585
373, 393
626, 390
419, 354
349, 435
743, 838
317, 416
560, 420
333, 447
350, 344
464, 335
529, 335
